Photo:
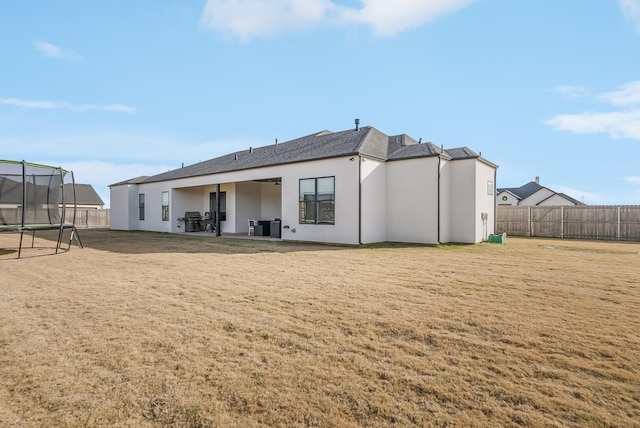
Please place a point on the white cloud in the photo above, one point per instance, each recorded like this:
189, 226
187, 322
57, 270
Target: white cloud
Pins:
249, 18
102, 174
389, 18
617, 124
50, 105
622, 124
631, 9
626, 95
53, 51
581, 195
123, 156
135, 146
632, 180
573, 92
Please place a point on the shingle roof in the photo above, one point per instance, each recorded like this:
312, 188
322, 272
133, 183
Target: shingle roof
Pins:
131, 181
85, 195
366, 141
524, 191
532, 187
569, 198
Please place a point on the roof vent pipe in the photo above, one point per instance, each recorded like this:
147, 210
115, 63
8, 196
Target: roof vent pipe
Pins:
236, 156
420, 140
357, 123
537, 179
276, 141
250, 149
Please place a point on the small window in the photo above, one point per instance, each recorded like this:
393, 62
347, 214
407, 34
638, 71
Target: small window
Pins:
141, 206
165, 206
317, 200
489, 187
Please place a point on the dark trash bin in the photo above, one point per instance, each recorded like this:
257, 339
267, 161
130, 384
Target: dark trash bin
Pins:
275, 228
262, 228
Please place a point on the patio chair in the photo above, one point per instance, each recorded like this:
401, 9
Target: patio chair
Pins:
210, 221
252, 227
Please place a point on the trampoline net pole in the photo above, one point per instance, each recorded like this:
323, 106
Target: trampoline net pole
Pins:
24, 203
63, 214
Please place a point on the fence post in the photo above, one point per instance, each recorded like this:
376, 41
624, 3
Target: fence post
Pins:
530, 223
561, 222
618, 232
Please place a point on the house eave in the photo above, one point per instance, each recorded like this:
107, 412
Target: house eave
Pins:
249, 168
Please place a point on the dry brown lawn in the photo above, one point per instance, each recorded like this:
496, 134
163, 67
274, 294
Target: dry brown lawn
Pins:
149, 329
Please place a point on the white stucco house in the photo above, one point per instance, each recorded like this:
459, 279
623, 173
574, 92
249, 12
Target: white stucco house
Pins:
350, 187
534, 194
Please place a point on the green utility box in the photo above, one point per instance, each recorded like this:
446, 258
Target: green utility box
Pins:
498, 239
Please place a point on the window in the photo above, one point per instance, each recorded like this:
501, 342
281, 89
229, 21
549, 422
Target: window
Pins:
489, 187
317, 200
223, 204
141, 206
165, 206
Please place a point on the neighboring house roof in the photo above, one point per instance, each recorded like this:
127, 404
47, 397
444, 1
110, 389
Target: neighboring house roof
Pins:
575, 201
509, 192
85, 195
565, 196
366, 141
523, 192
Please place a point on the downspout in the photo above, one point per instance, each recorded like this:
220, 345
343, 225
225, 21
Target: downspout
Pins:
360, 200
439, 161
495, 200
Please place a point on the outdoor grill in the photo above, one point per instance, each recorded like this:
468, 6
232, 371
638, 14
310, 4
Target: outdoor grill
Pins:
192, 221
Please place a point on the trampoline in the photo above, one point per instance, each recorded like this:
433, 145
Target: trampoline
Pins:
32, 198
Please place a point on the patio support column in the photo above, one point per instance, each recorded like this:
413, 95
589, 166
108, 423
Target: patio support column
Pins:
218, 209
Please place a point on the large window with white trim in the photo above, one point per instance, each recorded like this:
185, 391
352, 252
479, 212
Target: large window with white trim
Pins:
165, 206
141, 206
317, 200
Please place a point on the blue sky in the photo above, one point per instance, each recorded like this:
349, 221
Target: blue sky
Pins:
117, 89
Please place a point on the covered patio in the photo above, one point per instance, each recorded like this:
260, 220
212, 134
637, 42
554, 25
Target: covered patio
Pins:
229, 209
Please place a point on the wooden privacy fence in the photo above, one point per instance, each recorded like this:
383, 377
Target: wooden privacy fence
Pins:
612, 222
88, 217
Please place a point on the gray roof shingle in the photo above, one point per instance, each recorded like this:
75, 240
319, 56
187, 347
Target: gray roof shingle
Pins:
524, 191
366, 141
85, 195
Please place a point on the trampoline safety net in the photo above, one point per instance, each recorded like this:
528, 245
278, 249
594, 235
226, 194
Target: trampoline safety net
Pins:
32, 197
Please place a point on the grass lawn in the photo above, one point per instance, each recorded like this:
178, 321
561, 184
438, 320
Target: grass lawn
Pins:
150, 329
